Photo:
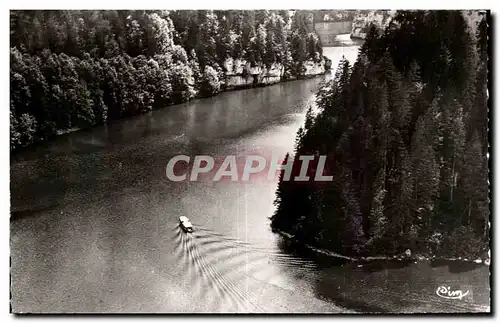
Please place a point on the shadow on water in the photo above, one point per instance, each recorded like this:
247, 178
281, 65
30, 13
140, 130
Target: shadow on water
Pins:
331, 283
379, 265
22, 214
400, 286
393, 286
456, 266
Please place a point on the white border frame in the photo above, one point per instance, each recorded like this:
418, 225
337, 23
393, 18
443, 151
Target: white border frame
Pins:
254, 4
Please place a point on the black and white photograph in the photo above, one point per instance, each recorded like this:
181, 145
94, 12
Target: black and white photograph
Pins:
236, 161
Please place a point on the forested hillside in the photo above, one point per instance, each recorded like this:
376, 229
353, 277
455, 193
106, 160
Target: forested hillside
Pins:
405, 131
75, 69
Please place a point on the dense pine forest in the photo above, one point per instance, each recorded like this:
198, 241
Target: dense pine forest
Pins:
76, 69
405, 131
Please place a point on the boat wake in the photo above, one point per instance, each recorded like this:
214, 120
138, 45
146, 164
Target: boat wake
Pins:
232, 275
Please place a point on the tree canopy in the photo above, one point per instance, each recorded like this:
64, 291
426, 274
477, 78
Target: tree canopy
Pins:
405, 134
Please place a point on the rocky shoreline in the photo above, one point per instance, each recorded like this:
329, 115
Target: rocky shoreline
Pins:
411, 258
240, 74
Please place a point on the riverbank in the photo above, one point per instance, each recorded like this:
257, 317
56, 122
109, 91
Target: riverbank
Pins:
310, 70
326, 252
362, 260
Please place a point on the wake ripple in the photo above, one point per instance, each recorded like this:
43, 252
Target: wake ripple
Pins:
228, 273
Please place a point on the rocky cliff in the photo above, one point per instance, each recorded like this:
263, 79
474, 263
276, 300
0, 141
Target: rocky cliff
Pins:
240, 73
364, 19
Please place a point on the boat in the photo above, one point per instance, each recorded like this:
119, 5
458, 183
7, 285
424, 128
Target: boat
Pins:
185, 224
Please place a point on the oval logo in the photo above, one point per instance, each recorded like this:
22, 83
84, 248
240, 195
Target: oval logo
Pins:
446, 292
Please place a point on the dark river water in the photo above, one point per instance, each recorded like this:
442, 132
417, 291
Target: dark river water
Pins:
95, 222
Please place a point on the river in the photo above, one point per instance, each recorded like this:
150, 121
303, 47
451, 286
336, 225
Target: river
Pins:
95, 222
